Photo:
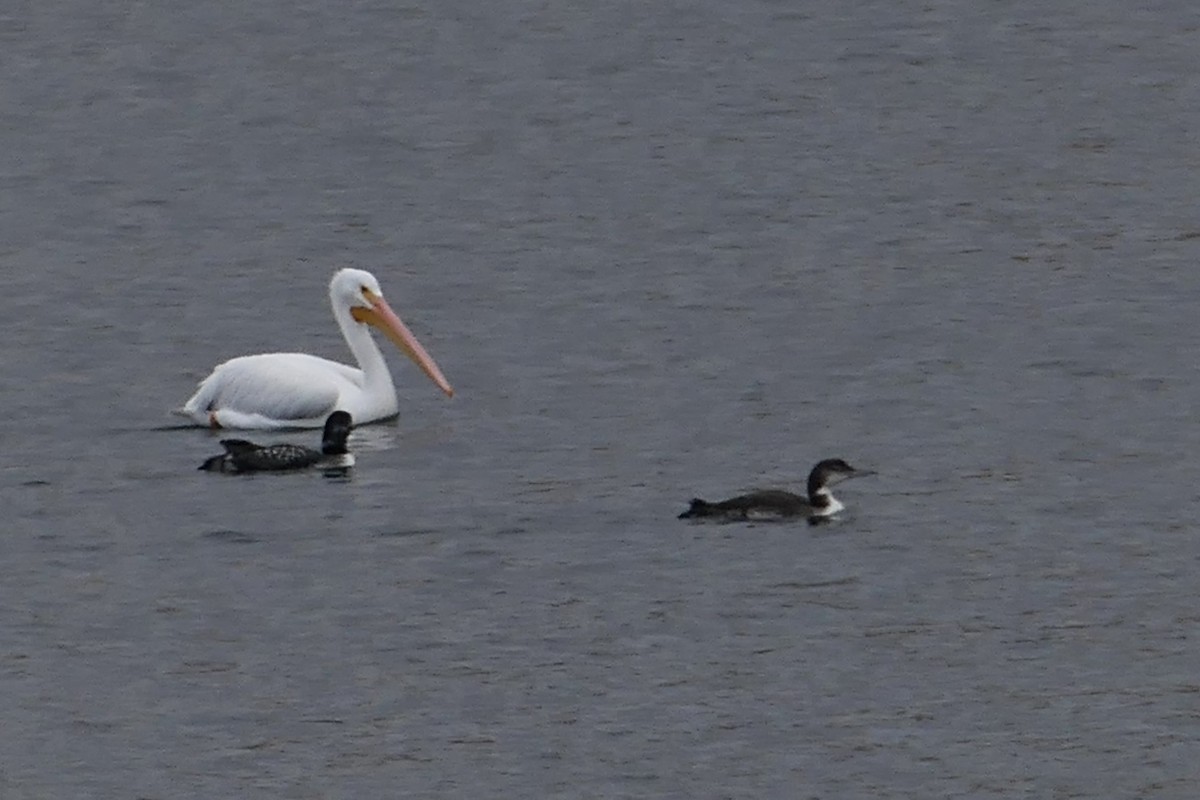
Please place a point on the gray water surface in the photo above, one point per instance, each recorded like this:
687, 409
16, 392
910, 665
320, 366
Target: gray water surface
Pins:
660, 250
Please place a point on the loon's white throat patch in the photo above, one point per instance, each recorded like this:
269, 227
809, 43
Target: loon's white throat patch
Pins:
831, 505
339, 461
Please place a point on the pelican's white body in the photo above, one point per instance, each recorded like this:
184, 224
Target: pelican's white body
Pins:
291, 390
297, 390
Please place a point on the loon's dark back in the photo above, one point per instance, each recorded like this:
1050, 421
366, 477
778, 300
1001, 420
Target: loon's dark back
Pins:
243, 456
766, 501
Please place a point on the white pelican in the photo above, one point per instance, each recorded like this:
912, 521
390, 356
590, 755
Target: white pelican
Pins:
296, 390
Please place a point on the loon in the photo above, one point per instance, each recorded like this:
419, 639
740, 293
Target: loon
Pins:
243, 456
775, 504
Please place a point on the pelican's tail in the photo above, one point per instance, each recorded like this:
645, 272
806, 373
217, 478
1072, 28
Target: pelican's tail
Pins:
199, 405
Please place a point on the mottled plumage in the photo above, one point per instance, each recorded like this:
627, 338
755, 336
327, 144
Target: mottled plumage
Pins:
243, 456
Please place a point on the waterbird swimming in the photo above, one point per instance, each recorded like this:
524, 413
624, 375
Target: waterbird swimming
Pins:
820, 503
243, 456
298, 390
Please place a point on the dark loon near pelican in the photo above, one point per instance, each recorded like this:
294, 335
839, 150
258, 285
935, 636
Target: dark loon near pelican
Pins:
243, 456
773, 503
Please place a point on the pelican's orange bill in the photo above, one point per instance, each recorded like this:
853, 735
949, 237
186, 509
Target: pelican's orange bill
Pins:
381, 316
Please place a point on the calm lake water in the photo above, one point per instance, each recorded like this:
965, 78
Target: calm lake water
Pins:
660, 250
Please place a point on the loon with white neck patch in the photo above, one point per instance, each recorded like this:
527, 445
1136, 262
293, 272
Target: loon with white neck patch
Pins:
819, 505
243, 456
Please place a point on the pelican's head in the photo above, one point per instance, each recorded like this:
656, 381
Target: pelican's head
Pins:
359, 292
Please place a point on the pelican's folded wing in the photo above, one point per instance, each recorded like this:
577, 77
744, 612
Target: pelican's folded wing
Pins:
277, 386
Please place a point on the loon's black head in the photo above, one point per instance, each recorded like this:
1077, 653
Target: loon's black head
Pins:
829, 472
337, 430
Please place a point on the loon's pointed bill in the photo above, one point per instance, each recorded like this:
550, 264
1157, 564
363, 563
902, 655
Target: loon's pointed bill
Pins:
297, 390
819, 504
243, 456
